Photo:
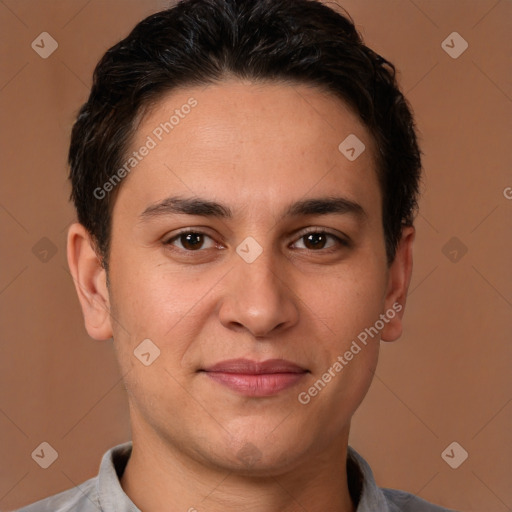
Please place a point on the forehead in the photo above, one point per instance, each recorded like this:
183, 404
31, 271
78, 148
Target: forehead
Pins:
245, 141
306, 117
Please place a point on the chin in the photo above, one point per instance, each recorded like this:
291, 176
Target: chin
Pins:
259, 453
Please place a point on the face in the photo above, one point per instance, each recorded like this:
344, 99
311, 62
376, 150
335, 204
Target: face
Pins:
250, 251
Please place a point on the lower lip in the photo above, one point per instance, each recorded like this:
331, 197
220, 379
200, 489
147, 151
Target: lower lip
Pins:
266, 384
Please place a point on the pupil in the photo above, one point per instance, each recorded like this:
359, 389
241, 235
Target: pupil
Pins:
192, 240
314, 238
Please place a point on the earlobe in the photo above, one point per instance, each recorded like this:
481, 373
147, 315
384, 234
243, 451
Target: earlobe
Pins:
90, 282
400, 272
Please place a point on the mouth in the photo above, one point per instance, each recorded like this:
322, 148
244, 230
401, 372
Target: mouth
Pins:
256, 379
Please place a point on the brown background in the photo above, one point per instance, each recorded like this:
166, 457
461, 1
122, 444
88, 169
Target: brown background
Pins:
447, 379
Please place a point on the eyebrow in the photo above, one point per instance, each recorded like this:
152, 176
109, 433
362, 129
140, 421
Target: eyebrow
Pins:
206, 208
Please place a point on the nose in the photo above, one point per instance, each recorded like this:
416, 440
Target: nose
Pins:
258, 297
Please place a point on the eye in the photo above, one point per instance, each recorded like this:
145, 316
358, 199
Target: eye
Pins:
316, 240
190, 241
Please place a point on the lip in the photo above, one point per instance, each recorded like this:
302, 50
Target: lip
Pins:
256, 379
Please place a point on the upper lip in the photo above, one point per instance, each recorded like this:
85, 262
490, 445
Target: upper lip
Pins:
250, 367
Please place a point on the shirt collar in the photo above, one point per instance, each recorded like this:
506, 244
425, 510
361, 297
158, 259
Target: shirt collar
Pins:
112, 497
371, 497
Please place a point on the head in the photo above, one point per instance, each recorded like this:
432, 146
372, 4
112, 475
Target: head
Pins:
235, 120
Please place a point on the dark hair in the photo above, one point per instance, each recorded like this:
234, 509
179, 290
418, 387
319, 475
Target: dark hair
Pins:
205, 41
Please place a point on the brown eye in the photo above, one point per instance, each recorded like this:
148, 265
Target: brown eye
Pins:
189, 241
192, 241
315, 240
319, 240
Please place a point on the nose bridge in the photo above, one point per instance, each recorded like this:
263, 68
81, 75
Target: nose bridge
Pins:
257, 266
258, 297
256, 272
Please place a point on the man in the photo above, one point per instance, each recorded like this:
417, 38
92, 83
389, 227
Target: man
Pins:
245, 175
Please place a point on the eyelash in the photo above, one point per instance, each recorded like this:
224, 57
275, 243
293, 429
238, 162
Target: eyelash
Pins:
339, 241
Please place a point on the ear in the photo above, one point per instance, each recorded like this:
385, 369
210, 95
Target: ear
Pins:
90, 282
399, 278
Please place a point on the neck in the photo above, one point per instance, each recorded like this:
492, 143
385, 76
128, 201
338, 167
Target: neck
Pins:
159, 477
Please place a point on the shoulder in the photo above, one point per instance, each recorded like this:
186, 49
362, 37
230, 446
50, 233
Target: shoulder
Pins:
400, 501
82, 498
88, 496
371, 497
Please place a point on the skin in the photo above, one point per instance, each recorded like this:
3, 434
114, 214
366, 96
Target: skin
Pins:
255, 148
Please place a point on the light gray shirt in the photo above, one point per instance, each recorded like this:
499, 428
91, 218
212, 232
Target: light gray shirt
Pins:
104, 493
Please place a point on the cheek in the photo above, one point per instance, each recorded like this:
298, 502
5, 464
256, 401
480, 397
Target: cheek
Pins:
346, 300
168, 306
331, 404
347, 306
156, 297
